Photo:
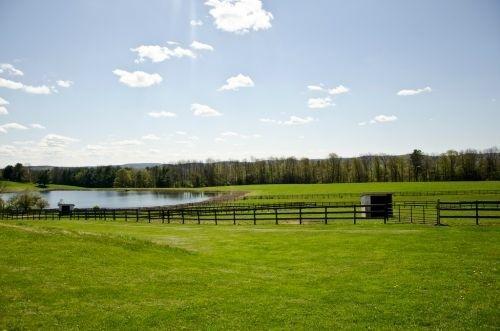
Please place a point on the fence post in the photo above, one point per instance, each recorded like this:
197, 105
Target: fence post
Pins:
326, 215
354, 214
386, 213
215, 216
168, 216
114, 215
149, 216
276, 216
162, 216
182, 215
254, 218
477, 212
411, 213
438, 211
300, 215
137, 215
234, 216
198, 216
399, 213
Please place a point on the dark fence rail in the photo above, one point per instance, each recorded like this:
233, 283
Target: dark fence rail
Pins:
356, 195
425, 212
476, 210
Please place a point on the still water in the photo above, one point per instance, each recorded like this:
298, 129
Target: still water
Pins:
119, 199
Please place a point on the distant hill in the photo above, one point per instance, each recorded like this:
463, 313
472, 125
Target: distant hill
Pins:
128, 165
140, 165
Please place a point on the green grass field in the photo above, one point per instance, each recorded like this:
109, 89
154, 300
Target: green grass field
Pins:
100, 275
9, 186
319, 192
285, 189
126, 275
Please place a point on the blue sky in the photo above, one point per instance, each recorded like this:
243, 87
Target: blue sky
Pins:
110, 82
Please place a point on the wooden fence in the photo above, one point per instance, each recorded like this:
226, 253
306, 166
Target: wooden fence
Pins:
428, 212
475, 210
356, 195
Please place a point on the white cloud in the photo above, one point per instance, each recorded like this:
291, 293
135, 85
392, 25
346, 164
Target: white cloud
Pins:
12, 126
137, 78
415, 91
9, 68
362, 123
10, 84
229, 134
315, 88
318, 103
130, 142
158, 53
293, 120
181, 133
37, 126
65, 83
235, 82
196, 22
269, 120
162, 113
56, 141
150, 137
201, 46
3, 102
95, 147
239, 16
3, 110
8, 150
43, 89
385, 118
204, 110
338, 90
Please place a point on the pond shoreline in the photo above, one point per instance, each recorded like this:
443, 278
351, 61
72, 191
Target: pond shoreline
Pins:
210, 197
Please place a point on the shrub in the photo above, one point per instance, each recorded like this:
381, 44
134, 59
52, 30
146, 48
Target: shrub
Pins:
28, 200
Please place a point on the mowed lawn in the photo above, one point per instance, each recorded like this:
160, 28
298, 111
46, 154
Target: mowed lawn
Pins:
412, 191
335, 188
118, 275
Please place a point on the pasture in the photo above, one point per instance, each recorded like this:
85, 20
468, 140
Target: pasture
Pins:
96, 274
89, 275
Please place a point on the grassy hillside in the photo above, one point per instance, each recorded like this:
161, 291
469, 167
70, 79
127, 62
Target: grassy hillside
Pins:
361, 187
9, 186
351, 191
100, 275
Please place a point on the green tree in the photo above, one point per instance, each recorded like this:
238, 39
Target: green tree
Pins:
123, 178
416, 159
27, 200
43, 178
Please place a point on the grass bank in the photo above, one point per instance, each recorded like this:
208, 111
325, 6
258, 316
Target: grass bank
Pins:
89, 275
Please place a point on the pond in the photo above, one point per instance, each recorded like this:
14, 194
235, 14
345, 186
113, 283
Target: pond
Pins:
120, 199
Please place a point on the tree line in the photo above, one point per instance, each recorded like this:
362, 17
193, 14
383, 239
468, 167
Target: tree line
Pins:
417, 166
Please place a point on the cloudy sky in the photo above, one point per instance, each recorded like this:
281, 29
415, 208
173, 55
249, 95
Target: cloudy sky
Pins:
109, 82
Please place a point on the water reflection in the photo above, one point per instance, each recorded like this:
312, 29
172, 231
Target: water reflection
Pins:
120, 199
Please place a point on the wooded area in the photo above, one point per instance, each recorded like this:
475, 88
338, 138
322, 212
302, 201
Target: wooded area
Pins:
417, 166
